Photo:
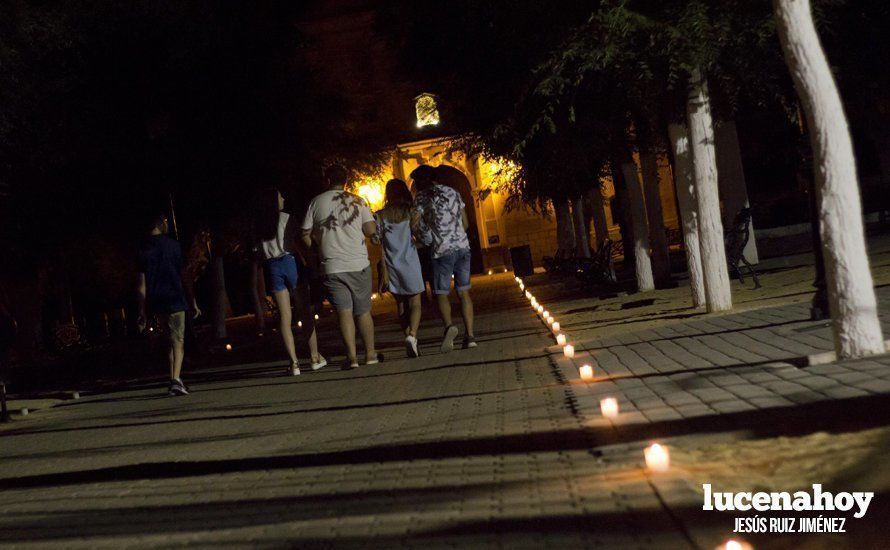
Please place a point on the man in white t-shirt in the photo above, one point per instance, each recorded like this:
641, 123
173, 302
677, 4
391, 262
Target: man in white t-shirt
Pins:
338, 222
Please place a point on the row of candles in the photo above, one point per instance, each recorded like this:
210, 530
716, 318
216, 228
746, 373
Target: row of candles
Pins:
657, 456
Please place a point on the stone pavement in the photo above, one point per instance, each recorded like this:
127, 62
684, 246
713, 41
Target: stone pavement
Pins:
491, 447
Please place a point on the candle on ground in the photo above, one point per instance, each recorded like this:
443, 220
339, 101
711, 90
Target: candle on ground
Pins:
550, 320
528, 294
540, 308
658, 459
586, 372
609, 407
569, 351
555, 326
561, 339
228, 347
735, 545
521, 286
545, 314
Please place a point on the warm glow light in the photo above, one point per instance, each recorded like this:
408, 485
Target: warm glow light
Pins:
490, 272
549, 320
561, 339
528, 294
545, 314
586, 372
555, 326
540, 308
374, 296
228, 347
426, 110
735, 545
609, 407
569, 351
299, 324
658, 459
316, 316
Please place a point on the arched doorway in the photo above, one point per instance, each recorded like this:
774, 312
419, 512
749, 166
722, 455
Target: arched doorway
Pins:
454, 178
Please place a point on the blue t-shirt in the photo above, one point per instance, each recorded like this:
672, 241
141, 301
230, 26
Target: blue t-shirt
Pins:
161, 260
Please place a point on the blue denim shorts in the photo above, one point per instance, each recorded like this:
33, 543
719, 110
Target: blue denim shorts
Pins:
457, 263
281, 274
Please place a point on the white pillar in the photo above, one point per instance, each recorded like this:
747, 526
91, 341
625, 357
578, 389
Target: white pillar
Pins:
643, 265
683, 179
733, 190
661, 260
565, 236
851, 295
701, 138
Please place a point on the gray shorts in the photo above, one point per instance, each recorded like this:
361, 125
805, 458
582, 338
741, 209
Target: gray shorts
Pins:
350, 290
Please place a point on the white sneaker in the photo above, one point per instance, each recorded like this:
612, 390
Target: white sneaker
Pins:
411, 346
322, 362
294, 370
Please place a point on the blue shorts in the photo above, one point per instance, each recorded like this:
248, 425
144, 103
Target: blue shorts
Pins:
281, 274
457, 263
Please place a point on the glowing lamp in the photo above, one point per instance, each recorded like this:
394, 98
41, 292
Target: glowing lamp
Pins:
555, 326
568, 351
316, 316
561, 339
299, 324
658, 459
586, 372
609, 407
228, 347
426, 110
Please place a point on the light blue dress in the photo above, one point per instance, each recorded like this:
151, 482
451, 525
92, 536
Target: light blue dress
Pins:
401, 258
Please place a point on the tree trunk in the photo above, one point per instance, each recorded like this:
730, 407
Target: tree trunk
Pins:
661, 260
701, 137
642, 263
218, 282
259, 311
621, 212
598, 215
684, 181
565, 236
582, 232
851, 296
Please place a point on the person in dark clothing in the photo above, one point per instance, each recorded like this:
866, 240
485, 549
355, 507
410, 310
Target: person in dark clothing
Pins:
160, 287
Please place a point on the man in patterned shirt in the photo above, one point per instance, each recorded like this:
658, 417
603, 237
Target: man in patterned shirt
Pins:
442, 223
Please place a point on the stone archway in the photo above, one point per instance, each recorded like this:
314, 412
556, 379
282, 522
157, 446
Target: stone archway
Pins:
457, 180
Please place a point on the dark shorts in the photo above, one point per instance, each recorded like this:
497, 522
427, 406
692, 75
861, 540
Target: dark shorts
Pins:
350, 290
456, 263
281, 274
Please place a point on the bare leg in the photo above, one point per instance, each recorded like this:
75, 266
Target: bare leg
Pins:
177, 352
414, 314
282, 299
402, 305
313, 345
366, 327
347, 330
305, 314
444, 308
466, 310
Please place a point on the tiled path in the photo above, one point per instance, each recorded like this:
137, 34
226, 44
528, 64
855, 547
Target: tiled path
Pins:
491, 447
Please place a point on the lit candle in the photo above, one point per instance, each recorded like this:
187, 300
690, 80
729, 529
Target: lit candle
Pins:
540, 308
658, 459
316, 316
490, 272
528, 294
609, 407
735, 545
561, 339
228, 347
586, 372
505, 270
549, 320
521, 286
516, 279
555, 326
545, 314
569, 351
299, 324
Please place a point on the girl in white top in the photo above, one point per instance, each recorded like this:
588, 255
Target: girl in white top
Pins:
280, 269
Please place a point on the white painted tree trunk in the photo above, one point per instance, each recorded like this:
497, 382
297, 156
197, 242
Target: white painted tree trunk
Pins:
598, 215
582, 241
683, 178
710, 228
661, 260
851, 296
565, 236
643, 265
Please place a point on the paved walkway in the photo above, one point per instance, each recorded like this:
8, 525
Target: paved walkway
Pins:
491, 447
